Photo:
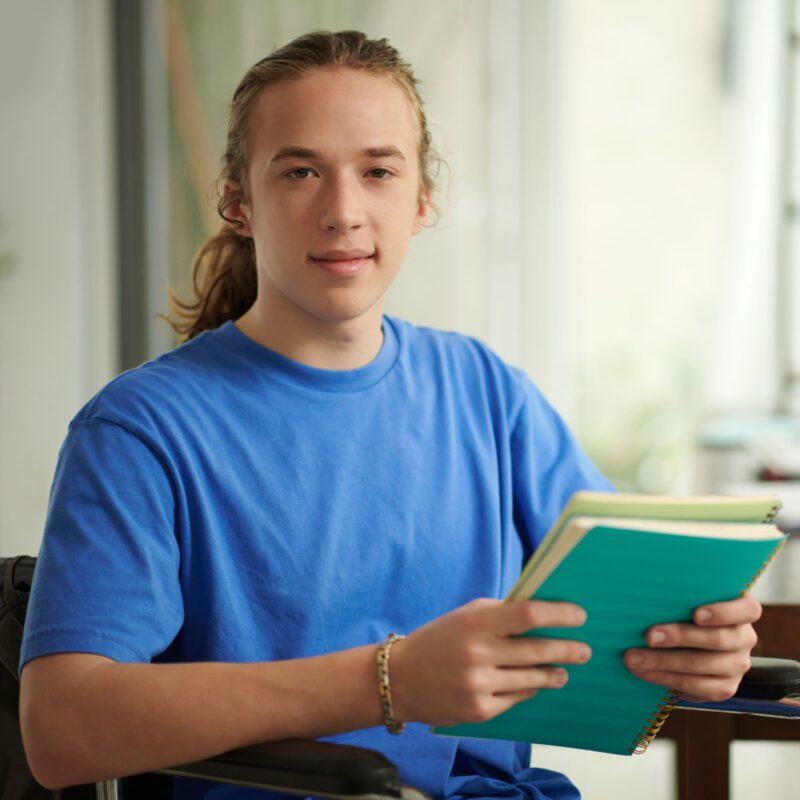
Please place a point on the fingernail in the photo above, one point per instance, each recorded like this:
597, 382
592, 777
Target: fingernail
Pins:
634, 659
703, 615
658, 637
584, 654
561, 677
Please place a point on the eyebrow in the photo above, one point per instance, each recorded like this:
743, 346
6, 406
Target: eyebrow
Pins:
387, 151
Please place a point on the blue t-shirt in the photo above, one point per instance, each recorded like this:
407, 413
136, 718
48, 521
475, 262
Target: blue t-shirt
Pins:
223, 503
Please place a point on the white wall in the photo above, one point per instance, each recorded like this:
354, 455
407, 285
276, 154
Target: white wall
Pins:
56, 219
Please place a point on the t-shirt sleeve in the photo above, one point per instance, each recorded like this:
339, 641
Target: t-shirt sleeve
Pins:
549, 465
107, 577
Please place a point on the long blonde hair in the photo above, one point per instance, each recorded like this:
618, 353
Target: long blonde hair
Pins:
224, 269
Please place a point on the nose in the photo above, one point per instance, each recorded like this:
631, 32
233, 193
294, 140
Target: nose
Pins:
342, 205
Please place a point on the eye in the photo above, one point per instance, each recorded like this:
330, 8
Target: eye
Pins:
380, 173
299, 173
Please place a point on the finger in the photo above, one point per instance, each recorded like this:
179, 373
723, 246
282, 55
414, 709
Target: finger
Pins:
691, 662
742, 610
524, 615
728, 637
696, 688
532, 651
518, 697
521, 681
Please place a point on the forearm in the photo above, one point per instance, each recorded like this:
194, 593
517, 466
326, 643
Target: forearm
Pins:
86, 718
100, 719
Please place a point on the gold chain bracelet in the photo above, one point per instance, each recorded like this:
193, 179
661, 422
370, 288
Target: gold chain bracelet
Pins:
384, 689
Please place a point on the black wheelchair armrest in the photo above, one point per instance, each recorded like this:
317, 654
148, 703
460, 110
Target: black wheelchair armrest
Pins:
298, 766
770, 679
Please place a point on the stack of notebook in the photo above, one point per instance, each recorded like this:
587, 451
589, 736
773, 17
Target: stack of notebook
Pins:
631, 561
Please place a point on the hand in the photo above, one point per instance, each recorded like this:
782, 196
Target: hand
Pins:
470, 665
703, 660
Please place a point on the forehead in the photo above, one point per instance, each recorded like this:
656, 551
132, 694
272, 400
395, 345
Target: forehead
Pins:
333, 108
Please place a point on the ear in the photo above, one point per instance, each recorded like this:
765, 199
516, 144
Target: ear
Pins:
238, 212
423, 209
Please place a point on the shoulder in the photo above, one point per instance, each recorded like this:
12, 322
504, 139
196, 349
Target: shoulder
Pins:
165, 386
456, 350
464, 363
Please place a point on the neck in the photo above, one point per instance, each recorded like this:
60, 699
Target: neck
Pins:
324, 344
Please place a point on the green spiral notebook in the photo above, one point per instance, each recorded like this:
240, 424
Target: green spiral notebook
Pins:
632, 561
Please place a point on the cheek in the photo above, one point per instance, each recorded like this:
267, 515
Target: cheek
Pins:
283, 216
400, 214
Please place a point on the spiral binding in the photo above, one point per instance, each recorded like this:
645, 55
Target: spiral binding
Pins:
653, 725
771, 515
758, 574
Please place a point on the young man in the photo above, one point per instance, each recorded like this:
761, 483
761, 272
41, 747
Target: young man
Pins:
237, 526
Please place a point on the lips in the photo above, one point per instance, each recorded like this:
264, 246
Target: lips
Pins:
342, 255
343, 262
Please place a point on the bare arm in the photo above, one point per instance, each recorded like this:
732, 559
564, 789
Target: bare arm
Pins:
87, 718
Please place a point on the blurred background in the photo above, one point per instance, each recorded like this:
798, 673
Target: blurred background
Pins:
619, 218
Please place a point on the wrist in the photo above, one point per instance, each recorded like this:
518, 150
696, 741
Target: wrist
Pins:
393, 725
403, 693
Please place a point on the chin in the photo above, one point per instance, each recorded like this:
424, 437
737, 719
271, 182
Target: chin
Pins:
341, 310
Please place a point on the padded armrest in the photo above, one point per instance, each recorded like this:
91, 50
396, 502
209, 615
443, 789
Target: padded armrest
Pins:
299, 766
770, 679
